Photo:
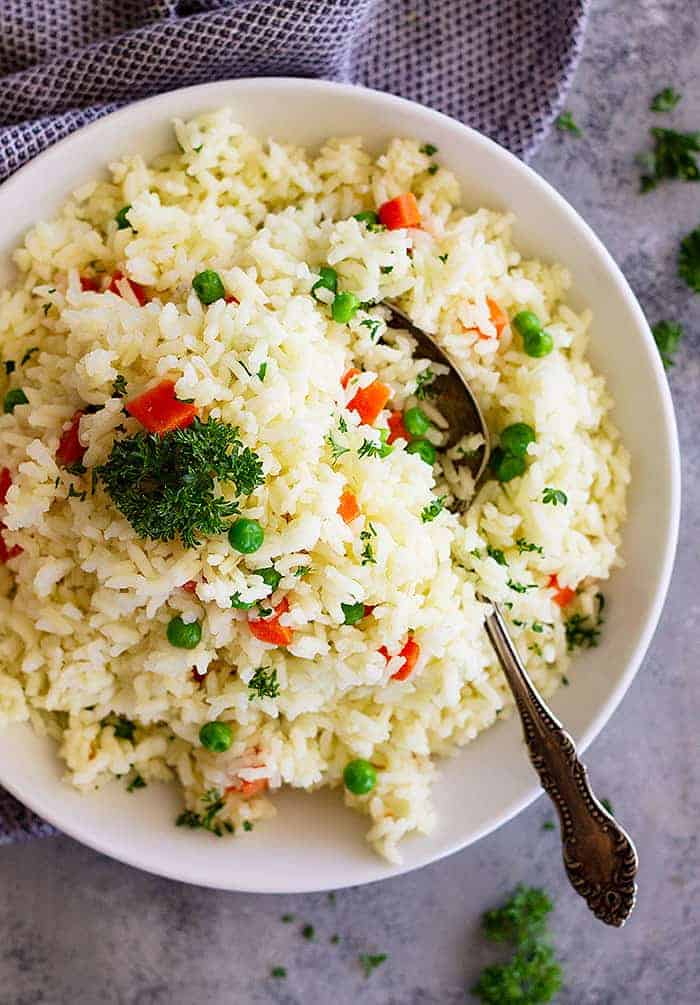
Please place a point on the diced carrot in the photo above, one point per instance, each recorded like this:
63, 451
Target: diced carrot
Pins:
400, 212
348, 507
348, 375
369, 401
160, 411
397, 430
254, 788
70, 450
270, 630
5, 552
89, 284
5, 482
563, 594
136, 288
499, 318
410, 653
190, 586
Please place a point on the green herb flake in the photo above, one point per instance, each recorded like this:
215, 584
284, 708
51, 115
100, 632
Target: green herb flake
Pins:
689, 260
497, 555
548, 825
119, 386
667, 335
137, 782
433, 509
264, 684
302, 571
433, 169
336, 449
672, 157
424, 381
523, 545
262, 370
309, 932
374, 325
72, 494
583, 632
370, 962
532, 977
28, 354
288, 918
386, 269
565, 123
522, 918
429, 149
607, 806
665, 100
278, 972
521, 587
443, 258
165, 486
124, 728
247, 825
554, 497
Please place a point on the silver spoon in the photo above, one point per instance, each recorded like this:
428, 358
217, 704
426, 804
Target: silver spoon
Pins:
599, 856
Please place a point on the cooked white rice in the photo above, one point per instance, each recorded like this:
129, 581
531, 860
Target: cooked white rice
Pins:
86, 604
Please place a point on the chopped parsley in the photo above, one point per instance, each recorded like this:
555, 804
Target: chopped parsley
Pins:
433, 169
433, 510
342, 424
336, 449
583, 632
555, 497
288, 918
607, 805
206, 820
374, 325
137, 782
264, 684
532, 976
548, 825
247, 825
278, 972
166, 485
75, 469
262, 370
429, 149
521, 587
689, 259
370, 961
72, 494
424, 382
565, 123
46, 308
672, 156
523, 545
386, 269
496, 554
667, 335
28, 354
308, 931
119, 386
369, 448
443, 258
302, 571
368, 557
665, 100
123, 728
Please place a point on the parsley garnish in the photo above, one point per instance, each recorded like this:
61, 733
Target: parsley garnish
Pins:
565, 123
532, 976
424, 381
123, 728
433, 169
264, 684
429, 149
433, 509
689, 259
443, 258
287, 918
119, 386
247, 825
521, 587
75, 469
373, 324
370, 961
523, 545
308, 931
214, 803
369, 448
386, 269
72, 494
665, 100
336, 449
583, 632
667, 335
496, 554
279, 972
548, 825
137, 782
673, 156
262, 370
28, 354
165, 486
302, 571
555, 497
607, 805
368, 551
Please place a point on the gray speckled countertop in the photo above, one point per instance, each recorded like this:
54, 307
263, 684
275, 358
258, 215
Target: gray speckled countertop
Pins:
77, 927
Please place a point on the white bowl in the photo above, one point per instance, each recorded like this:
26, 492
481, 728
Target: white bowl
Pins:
314, 843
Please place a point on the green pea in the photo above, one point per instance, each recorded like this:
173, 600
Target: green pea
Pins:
360, 777
416, 421
507, 466
241, 605
121, 218
208, 286
369, 217
344, 307
184, 636
353, 613
246, 536
516, 437
216, 736
526, 323
425, 450
15, 396
538, 344
270, 577
327, 280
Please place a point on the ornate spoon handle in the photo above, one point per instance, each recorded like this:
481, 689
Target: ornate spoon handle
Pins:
599, 857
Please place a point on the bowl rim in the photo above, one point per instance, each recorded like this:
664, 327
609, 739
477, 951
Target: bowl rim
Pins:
124, 851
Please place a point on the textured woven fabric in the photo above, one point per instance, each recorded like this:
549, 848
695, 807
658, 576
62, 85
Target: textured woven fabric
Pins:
502, 66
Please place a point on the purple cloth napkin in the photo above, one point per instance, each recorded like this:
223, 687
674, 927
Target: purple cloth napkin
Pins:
503, 66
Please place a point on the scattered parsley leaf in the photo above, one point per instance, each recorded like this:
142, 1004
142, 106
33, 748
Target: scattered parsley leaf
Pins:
667, 335
532, 977
583, 632
369, 448
166, 485
386, 269
443, 258
689, 259
264, 684
522, 918
523, 545
262, 370
433, 169
336, 449
308, 931
374, 325
247, 825
521, 587
433, 509
123, 728
424, 382
665, 100
197, 149
565, 123
46, 308
287, 918
370, 961
75, 469
555, 497
213, 803
672, 156
429, 149
278, 972
496, 554
342, 424
119, 386
368, 551
137, 782
548, 825
72, 494
302, 571
28, 354
607, 805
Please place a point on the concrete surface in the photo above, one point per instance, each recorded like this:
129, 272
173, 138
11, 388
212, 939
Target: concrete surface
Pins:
78, 928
